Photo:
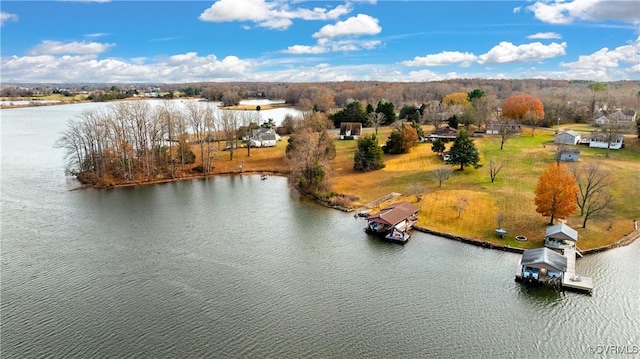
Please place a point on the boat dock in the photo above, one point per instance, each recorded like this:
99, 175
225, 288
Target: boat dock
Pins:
570, 280
574, 281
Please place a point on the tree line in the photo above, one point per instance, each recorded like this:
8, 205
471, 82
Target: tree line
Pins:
134, 140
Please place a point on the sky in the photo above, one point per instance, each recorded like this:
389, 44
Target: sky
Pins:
142, 41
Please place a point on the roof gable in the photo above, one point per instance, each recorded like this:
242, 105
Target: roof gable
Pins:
561, 231
544, 258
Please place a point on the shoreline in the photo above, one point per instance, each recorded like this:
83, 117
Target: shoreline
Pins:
625, 240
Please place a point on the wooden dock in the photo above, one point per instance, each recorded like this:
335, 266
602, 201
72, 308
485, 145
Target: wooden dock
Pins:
572, 280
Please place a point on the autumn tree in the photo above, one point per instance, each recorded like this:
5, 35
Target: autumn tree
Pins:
456, 98
369, 155
556, 193
309, 152
401, 140
525, 109
463, 152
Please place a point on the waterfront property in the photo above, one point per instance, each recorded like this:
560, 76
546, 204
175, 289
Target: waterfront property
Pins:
555, 263
394, 222
541, 265
560, 236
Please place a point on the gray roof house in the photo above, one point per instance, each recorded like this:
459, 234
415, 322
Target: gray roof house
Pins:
568, 138
560, 236
544, 258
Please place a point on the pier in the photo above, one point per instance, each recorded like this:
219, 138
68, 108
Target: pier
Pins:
571, 279
543, 270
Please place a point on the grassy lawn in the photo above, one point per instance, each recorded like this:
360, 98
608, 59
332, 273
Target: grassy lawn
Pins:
512, 193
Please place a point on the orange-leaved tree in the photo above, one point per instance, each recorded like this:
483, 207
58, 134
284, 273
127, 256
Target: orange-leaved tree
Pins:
457, 98
524, 108
556, 193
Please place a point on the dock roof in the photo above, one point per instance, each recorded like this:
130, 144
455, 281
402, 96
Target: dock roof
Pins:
394, 213
561, 231
544, 258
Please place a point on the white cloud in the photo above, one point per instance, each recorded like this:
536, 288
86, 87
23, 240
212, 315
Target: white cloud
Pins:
443, 58
48, 47
566, 12
270, 14
606, 64
545, 35
304, 49
6, 17
506, 52
97, 34
88, 68
354, 26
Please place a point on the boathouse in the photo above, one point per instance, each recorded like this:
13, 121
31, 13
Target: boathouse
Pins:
393, 222
542, 265
560, 236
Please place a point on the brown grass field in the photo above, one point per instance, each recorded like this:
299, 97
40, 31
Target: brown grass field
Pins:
512, 193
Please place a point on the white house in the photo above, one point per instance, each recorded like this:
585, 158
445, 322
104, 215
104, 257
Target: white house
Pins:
568, 138
264, 138
599, 139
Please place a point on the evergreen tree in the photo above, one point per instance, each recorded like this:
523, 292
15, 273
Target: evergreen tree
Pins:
353, 112
438, 146
368, 156
389, 111
464, 151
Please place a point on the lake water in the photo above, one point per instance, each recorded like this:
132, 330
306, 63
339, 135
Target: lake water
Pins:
244, 267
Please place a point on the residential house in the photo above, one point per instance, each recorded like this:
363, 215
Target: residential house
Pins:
350, 130
496, 127
263, 137
568, 138
599, 139
625, 118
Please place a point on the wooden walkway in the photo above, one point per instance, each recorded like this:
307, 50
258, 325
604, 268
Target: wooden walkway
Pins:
571, 279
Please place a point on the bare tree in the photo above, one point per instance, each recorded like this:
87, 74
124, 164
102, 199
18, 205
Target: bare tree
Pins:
507, 129
376, 119
494, 168
461, 205
442, 174
230, 124
196, 115
592, 182
416, 189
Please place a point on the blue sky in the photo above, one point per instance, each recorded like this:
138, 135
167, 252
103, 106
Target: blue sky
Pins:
308, 41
